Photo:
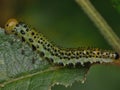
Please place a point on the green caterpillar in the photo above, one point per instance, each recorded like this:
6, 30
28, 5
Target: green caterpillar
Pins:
54, 54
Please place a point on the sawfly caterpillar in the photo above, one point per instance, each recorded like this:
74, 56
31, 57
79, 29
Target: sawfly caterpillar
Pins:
55, 54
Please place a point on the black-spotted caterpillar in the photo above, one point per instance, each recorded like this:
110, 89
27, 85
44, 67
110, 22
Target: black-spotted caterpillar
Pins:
54, 54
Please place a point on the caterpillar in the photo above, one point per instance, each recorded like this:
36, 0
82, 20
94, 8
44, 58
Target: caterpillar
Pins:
54, 54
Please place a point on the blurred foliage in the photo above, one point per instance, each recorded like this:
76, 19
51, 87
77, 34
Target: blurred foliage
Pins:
10, 8
64, 23
116, 4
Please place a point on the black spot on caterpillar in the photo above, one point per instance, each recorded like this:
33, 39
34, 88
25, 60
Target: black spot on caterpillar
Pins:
54, 54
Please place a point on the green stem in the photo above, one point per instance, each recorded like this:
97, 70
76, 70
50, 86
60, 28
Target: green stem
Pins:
102, 25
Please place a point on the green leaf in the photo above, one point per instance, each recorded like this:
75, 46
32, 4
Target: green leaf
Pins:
23, 69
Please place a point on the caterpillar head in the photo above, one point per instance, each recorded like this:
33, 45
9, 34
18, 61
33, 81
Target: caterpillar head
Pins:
10, 25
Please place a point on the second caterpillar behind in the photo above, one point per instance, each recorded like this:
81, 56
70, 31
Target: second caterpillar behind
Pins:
54, 54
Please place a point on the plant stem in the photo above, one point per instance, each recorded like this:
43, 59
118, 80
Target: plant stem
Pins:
102, 25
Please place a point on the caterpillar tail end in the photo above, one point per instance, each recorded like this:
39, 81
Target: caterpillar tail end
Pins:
117, 60
9, 26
